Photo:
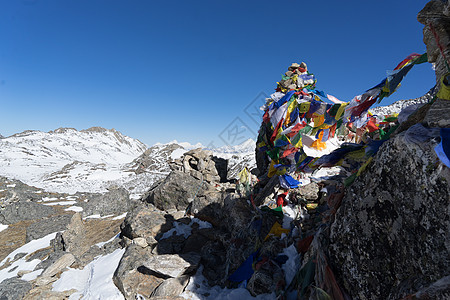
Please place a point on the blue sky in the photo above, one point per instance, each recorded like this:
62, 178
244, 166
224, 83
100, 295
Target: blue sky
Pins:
191, 70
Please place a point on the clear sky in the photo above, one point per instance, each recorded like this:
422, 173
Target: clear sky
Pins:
191, 70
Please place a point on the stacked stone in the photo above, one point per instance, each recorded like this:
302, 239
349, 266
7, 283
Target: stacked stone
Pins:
294, 78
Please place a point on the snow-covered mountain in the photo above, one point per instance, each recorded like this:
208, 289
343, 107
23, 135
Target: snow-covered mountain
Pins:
67, 160
400, 105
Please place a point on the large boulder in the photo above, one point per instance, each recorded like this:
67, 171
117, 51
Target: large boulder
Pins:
145, 222
171, 287
175, 192
173, 265
202, 165
116, 201
391, 235
75, 238
436, 18
131, 278
181, 190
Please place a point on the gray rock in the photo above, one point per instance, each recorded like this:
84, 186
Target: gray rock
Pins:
14, 289
391, 235
42, 292
201, 164
145, 222
16, 191
57, 243
75, 236
221, 165
179, 189
133, 279
115, 201
174, 191
171, 245
49, 260
438, 114
309, 192
22, 211
436, 14
171, 287
140, 241
95, 251
63, 262
173, 265
195, 242
41, 254
47, 226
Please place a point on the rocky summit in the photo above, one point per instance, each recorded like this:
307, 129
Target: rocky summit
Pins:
333, 201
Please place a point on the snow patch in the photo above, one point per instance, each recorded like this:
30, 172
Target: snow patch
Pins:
22, 264
74, 208
31, 247
120, 216
185, 230
61, 203
3, 227
32, 275
45, 199
94, 281
177, 153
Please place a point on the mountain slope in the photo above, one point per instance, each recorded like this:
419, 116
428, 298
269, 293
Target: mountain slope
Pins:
67, 160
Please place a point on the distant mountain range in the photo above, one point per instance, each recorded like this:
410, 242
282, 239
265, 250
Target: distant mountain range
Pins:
67, 160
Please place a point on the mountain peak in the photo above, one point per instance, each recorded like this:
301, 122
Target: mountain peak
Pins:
62, 130
98, 129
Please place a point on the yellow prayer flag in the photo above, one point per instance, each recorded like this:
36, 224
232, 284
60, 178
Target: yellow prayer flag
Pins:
243, 176
276, 230
304, 107
318, 120
364, 166
340, 111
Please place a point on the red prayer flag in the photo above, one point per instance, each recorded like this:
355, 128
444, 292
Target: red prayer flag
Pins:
371, 125
303, 245
289, 151
275, 131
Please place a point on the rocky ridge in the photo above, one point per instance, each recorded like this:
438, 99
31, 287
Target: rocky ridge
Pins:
88, 223
30, 213
401, 105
